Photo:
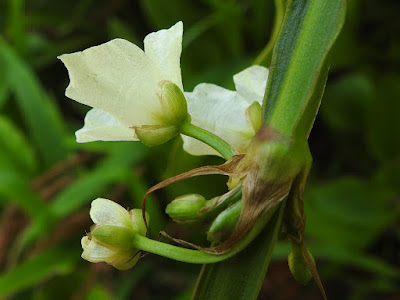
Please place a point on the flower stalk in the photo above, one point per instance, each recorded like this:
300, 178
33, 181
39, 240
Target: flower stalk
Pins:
208, 138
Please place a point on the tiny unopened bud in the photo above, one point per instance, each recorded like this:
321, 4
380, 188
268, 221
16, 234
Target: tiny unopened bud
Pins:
184, 209
298, 267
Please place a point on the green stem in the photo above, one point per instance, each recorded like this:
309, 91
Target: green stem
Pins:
197, 256
298, 65
209, 138
174, 252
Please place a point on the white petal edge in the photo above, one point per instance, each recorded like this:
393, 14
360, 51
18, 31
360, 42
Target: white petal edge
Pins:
101, 126
251, 83
95, 252
220, 111
104, 211
116, 77
164, 48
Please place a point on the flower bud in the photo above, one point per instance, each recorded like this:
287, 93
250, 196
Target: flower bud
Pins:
225, 223
184, 209
111, 237
298, 266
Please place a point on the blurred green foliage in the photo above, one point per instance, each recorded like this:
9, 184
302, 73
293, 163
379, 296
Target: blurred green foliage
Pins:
47, 180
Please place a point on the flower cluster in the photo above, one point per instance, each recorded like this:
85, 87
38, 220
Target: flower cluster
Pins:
139, 95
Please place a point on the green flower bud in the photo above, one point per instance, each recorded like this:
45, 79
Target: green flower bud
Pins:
225, 223
298, 266
184, 209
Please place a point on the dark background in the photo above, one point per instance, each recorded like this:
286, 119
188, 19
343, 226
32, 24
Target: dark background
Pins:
47, 180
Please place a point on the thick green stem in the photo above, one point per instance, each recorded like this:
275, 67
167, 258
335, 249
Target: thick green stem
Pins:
264, 58
295, 86
209, 138
307, 34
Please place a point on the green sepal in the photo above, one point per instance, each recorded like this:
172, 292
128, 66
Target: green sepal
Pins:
173, 103
254, 116
153, 135
113, 236
126, 260
174, 115
138, 224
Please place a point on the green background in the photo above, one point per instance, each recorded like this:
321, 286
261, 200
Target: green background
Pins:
47, 180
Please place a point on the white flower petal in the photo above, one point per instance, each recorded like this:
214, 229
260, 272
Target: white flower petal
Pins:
85, 242
104, 211
116, 77
164, 47
220, 111
251, 83
101, 126
95, 252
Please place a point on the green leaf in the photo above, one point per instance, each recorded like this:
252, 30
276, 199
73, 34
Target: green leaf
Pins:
38, 112
14, 187
16, 23
16, 147
384, 120
308, 32
346, 103
347, 205
57, 260
114, 168
4, 87
226, 280
86, 189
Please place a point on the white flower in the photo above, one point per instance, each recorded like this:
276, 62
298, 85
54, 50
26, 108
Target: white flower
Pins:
226, 113
124, 85
110, 238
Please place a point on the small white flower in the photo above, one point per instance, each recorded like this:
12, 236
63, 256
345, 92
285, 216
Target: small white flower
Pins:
124, 85
111, 236
226, 113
